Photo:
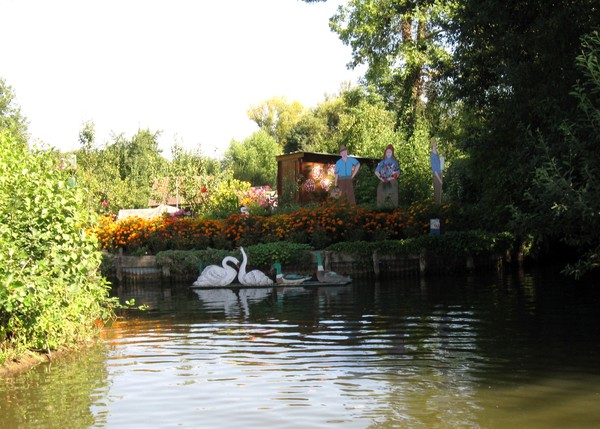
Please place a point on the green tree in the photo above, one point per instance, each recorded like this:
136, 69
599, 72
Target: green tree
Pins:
366, 126
276, 116
563, 202
139, 159
253, 160
11, 118
355, 117
403, 46
97, 174
122, 173
513, 70
318, 128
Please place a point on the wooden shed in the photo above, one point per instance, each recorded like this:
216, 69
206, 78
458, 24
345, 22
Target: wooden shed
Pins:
305, 177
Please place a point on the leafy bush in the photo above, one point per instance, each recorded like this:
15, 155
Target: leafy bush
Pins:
51, 290
453, 244
284, 252
189, 261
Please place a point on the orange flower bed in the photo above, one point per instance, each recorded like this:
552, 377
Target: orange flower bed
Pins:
338, 222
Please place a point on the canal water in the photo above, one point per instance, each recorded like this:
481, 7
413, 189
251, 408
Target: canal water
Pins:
503, 350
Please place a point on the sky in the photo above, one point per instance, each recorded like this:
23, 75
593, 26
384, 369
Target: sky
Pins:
190, 69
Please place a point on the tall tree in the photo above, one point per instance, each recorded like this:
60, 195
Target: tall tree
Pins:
366, 126
121, 174
563, 203
318, 128
403, 47
276, 116
514, 69
253, 160
356, 117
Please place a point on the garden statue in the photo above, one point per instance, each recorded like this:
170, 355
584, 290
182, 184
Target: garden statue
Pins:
345, 169
387, 171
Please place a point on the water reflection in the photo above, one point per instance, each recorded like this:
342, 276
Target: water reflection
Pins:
478, 352
235, 301
56, 395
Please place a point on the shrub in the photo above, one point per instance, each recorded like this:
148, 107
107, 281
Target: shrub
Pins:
454, 244
51, 290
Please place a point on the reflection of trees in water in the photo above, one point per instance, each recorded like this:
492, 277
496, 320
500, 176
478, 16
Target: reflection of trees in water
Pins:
56, 395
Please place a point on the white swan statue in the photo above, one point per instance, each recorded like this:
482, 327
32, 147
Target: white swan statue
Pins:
327, 276
288, 278
213, 275
254, 277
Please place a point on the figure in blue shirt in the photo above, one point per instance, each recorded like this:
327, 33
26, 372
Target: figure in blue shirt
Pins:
436, 169
387, 171
345, 169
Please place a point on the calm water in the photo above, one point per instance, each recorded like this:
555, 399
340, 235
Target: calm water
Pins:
517, 350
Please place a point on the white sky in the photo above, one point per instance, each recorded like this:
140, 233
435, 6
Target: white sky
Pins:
188, 68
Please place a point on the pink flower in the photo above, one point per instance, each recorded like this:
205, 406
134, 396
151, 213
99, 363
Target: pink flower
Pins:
317, 172
309, 185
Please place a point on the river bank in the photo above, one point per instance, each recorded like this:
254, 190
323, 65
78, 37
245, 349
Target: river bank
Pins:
33, 359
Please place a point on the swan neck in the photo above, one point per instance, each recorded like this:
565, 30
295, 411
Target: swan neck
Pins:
244, 261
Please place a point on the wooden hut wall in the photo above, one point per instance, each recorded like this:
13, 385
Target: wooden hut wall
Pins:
311, 175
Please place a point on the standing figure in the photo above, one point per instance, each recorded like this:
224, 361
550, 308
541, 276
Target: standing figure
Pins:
436, 168
345, 169
387, 171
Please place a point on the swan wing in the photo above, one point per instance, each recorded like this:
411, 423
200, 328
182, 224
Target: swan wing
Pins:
255, 278
213, 275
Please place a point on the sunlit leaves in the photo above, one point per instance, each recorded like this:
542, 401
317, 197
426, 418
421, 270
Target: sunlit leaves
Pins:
51, 292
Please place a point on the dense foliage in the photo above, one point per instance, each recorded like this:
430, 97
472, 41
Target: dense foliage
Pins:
247, 159
563, 202
51, 291
511, 89
528, 98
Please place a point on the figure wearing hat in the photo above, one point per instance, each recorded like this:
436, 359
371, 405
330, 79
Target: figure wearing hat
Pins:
345, 169
387, 171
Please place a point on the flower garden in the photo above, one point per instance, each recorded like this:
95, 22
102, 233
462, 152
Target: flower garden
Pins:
181, 243
318, 225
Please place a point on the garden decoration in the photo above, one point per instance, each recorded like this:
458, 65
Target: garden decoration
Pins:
214, 275
254, 277
327, 276
335, 192
288, 278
